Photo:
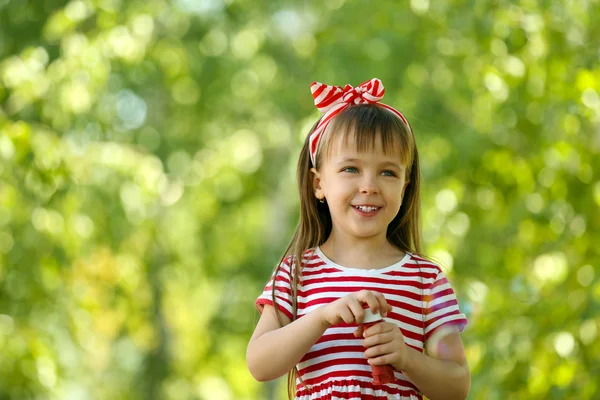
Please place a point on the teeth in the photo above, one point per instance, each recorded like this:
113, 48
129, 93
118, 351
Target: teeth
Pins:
366, 208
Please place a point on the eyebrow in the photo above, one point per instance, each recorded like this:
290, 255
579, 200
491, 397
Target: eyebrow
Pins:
383, 164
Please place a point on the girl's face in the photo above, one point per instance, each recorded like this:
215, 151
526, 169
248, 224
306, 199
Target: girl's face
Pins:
363, 190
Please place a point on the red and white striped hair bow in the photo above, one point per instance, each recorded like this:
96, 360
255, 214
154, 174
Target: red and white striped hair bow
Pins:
332, 100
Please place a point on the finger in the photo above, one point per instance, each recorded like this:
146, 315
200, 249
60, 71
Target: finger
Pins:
370, 331
381, 303
357, 310
376, 351
379, 328
378, 338
381, 360
367, 297
359, 331
347, 315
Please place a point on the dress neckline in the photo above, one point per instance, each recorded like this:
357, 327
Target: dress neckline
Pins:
392, 267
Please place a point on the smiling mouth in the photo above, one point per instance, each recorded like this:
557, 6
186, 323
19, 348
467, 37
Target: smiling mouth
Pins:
367, 209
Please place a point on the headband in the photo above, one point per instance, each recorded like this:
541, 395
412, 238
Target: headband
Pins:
332, 100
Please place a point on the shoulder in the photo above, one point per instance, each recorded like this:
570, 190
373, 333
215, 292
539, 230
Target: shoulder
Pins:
435, 280
310, 255
426, 265
431, 271
288, 263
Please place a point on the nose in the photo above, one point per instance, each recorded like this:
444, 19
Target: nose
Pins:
369, 185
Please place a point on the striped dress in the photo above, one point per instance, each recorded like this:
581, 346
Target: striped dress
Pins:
335, 368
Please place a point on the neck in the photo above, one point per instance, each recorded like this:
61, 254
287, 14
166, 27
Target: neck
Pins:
368, 253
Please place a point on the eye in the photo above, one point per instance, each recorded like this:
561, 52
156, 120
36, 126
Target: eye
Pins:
387, 172
350, 169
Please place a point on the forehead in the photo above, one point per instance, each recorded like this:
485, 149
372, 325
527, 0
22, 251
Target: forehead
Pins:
342, 146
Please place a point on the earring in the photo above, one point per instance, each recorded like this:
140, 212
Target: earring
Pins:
322, 200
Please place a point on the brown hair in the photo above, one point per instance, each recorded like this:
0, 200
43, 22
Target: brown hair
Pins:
366, 124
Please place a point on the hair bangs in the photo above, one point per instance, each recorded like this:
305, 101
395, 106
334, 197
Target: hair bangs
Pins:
367, 126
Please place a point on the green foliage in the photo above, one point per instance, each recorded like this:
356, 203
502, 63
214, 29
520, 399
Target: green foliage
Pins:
147, 182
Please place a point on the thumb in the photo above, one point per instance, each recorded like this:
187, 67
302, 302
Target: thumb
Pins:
359, 331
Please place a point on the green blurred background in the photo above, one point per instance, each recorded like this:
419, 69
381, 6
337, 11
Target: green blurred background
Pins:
147, 161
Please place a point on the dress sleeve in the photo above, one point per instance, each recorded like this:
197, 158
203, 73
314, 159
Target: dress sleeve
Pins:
283, 291
441, 307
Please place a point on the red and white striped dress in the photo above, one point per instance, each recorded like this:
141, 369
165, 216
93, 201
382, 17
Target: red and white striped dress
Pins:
335, 367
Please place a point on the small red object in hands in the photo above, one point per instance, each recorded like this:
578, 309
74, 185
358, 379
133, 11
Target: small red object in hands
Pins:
382, 374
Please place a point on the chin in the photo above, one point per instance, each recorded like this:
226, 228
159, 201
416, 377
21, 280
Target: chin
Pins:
366, 235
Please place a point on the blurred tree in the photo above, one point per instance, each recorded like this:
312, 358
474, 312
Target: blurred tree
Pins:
147, 182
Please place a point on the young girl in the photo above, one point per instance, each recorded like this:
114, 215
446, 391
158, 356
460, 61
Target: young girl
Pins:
358, 246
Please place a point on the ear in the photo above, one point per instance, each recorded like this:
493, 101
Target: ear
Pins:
316, 183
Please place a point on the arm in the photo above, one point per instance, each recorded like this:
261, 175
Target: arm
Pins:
269, 354
442, 372
444, 375
273, 351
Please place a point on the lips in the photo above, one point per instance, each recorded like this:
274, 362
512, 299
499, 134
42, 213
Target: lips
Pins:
367, 208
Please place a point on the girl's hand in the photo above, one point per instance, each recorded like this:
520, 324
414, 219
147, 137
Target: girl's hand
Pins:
385, 345
349, 308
